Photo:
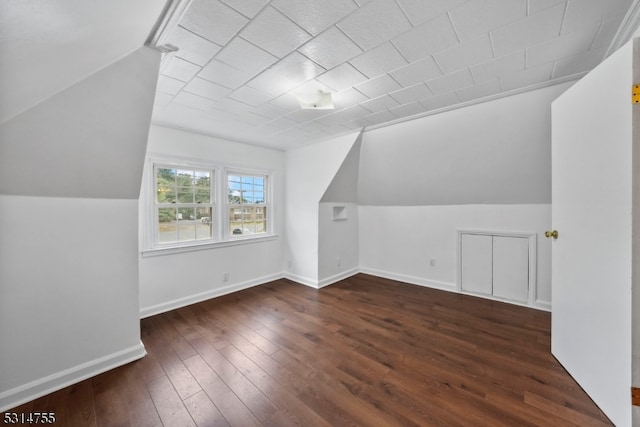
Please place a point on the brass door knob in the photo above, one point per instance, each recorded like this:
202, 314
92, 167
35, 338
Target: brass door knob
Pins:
553, 234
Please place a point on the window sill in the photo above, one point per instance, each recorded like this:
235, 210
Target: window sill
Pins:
169, 250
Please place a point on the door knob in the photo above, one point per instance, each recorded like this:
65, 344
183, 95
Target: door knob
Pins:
553, 234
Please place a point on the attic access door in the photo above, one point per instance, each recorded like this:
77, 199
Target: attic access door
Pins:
592, 156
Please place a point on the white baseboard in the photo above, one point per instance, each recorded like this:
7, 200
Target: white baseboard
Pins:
301, 280
203, 296
444, 286
337, 277
543, 305
43, 386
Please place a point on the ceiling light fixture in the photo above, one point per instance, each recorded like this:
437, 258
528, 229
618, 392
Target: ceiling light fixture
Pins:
318, 100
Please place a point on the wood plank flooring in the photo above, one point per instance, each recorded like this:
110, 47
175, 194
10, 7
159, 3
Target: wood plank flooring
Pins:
363, 352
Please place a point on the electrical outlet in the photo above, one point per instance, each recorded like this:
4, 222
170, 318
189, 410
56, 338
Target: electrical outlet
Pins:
432, 262
225, 277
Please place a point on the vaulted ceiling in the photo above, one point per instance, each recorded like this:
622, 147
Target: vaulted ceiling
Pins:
241, 63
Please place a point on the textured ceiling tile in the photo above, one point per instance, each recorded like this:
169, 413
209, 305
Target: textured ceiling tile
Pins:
232, 106
587, 12
249, 96
378, 86
271, 82
354, 112
440, 101
379, 60
180, 69
286, 101
243, 55
465, 54
381, 103
421, 11
381, 117
407, 110
342, 77
248, 8
538, 5
449, 82
192, 47
169, 86
567, 45
526, 32
282, 123
269, 111
481, 90
223, 74
607, 31
524, 78
310, 87
330, 48
417, 72
200, 15
348, 98
162, 100
412, 93
275, 33
429, 38
207, 89
193, 101
579, 63
478, 17
297, 68
499, 66
313, 15
303, 116
375, 23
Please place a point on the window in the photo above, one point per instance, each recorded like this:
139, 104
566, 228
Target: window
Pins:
247, 204
194, 204
184, 204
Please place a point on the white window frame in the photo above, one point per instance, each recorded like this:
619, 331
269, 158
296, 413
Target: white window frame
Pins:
177, 205
266, 204
149, 243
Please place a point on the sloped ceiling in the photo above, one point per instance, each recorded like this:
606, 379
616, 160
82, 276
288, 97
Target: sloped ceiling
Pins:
48, 45
240, 62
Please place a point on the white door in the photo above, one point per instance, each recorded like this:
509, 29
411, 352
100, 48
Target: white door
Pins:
511, 268
591, 209
476, 254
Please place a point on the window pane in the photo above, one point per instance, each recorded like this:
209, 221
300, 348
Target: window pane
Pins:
166, 194
167, 227
185, 195
203, 179
185, 178
203, 223
166, 176
186, 224
203, 196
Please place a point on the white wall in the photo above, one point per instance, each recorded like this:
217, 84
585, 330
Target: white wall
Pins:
68, 215
497, 152
309, 172
174, 280
398, 242
487, 166
338, 243
68, 281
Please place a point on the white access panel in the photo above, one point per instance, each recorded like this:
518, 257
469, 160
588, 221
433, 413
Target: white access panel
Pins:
476, 263
511, 268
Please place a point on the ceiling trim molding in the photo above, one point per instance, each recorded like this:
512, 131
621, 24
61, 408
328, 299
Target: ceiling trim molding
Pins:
630, 23
167, 21
570, 78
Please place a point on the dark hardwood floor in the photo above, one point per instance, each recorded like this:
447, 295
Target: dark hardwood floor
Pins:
366, 351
